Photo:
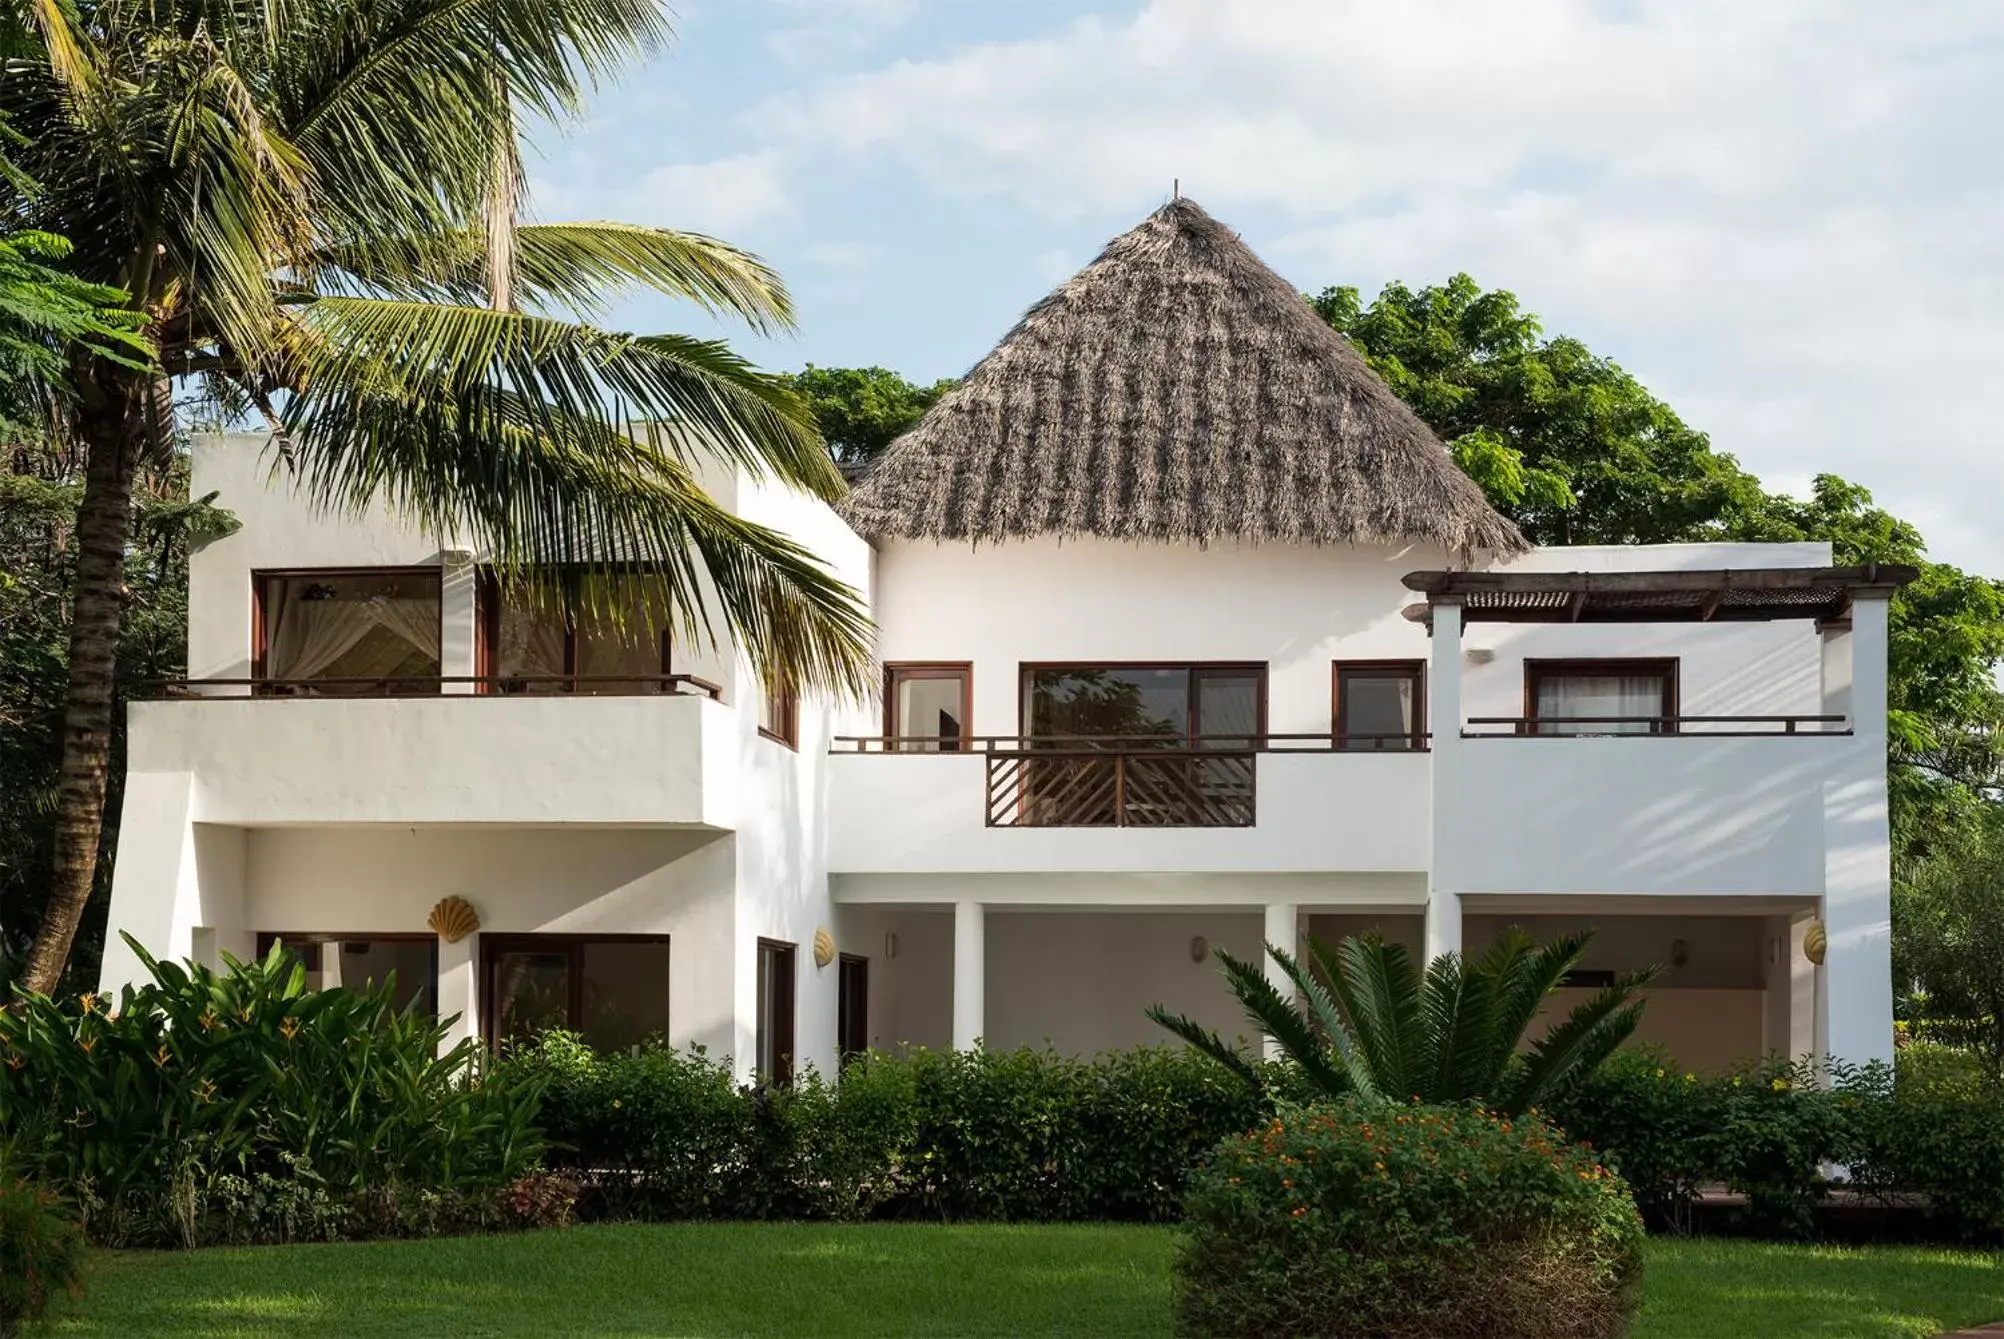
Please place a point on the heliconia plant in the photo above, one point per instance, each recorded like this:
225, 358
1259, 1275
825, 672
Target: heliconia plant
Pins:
138, 1106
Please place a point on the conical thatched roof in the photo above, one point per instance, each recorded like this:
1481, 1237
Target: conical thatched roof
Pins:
1175, 389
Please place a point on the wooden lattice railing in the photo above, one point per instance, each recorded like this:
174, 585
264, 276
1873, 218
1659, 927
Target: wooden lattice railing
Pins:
1121, 788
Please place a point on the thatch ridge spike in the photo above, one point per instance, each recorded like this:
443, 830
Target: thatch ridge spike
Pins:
1175, 390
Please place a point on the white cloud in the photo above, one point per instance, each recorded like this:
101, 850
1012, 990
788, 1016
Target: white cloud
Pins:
1782, 216
818, 29
721, 196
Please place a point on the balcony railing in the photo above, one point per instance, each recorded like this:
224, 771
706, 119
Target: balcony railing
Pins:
434, 685
1572, 727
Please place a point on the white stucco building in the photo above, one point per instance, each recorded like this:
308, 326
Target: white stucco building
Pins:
1191, 636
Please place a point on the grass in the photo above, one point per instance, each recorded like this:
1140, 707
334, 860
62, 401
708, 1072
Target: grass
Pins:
898, 1279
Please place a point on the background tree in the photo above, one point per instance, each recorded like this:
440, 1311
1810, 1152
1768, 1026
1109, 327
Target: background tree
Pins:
860, 410
1948, 945
314, 206
1577, 451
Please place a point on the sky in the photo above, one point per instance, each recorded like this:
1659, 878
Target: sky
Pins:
1786, 217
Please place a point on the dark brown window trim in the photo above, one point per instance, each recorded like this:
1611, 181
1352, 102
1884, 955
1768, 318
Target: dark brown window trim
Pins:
1377, 669
293, 939
1595, 667
783, 1035
487, 622
852, 1030
261, 575
898, 670
1255, 667
492, 946
789, 719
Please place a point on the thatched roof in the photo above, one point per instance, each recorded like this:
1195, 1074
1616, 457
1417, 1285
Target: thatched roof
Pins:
1176, 389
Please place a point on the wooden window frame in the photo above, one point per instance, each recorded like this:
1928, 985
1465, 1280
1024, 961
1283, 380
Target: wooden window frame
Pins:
1578, 667
844, 1023
1377, 669
294, 939
1259, 668
260, 622
492, 946
487, 638
785, 1039
896, 671
788, 701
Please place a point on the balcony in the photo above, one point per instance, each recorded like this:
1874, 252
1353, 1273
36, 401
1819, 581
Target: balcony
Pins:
1269, 803
444, 750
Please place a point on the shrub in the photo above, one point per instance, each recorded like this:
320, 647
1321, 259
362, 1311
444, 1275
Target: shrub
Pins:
208, 1106
1937, 1133
41, 1252
1023, 1135
1406, 1221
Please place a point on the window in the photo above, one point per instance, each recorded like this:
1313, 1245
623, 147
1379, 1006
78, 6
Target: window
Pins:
852, 1008
779, 716
1381, 705
775, 1012
612, 990
927, 707
1212, 705
333, 960
1615, 697
346, 633
528, 649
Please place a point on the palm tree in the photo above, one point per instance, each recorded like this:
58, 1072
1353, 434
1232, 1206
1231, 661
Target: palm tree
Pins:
314, 203
1375, 1029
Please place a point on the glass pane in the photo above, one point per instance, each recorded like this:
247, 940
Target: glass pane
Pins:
1620, 695
606, 650
929, 706
373, 961
532, 992
777, 714
775, 1002
1227, 709
529, 649
625, 993
1377, 711
379, 629
1108, 702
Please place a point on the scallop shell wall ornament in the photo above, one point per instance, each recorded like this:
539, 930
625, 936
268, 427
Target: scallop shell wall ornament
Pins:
1815, 942
824, 947
453, 919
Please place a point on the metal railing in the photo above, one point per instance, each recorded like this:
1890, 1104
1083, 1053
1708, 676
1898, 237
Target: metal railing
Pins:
1628, 727
434, 685
1402, 742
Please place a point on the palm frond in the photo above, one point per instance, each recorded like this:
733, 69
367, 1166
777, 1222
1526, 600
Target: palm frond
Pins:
1207, 1041
1576, 1046
568, 267
1525, 974
1322, 1007
1276, 1017
1458, 1004
1380, 994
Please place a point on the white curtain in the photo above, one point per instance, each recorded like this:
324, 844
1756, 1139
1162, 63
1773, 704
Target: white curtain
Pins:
312, 639
1628, 695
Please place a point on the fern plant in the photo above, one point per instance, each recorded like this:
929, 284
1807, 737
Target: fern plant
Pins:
1369, 1024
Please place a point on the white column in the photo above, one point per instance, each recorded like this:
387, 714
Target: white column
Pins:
970, 962
458, 990
1855, 985
1283, 931
458, 621
1443, 713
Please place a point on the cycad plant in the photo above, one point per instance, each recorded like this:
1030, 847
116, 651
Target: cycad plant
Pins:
314, 205
1369, 1024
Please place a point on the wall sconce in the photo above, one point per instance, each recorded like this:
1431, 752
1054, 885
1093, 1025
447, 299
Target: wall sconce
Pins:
1478, 655
890, 943
1680, 952
456, 557
1200, 948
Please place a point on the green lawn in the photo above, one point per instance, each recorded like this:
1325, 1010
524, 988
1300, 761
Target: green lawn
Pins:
816, 1279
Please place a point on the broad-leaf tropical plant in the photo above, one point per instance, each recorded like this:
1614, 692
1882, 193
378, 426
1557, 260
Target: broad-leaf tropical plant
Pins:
315, 205
1369, 1024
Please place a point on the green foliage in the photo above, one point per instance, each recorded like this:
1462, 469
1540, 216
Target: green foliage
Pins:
38, 551
41, 1252
1410, 1220
1019, 1135
860, 410
1948, 915
203, 1097
1371, 1026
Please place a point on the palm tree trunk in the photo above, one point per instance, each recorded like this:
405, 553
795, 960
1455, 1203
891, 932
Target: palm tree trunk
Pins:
109, 422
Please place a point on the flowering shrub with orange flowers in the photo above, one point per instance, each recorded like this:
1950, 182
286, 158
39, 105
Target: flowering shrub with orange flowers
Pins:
1363, 1218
